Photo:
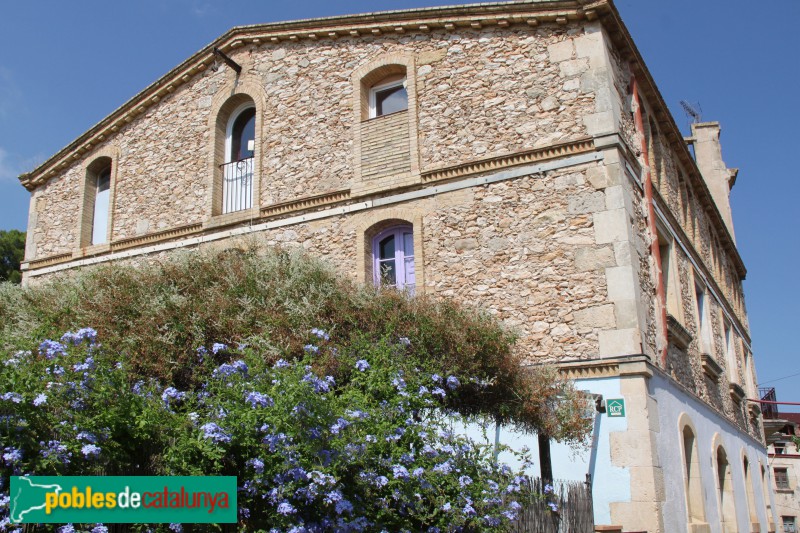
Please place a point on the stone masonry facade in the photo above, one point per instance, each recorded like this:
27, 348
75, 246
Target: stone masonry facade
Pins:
519, 165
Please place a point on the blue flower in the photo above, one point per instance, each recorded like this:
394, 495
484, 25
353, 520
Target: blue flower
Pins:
548, 488
66, 529
228, 369
340, 424
464, 481
553, 507
177, 528
286, 508
88, 437
83, 334
12, 455
438, 391
362, 365
257, 464
50, 349
87, 365
491, 521
171, 393
436, 378
57, 450
469, 510
90, 450
310, 348
452, 382
99, 528
281, 364
40, 399
446, 507
257, 399
344, 506
214, 432
218, 347
400, 472
321, 334
404, 341
202, 352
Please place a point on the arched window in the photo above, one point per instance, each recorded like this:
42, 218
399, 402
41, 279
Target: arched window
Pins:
748, 488
102, 200
393, 258
96, 215
695, 502
388, 96
240, 145
727, 505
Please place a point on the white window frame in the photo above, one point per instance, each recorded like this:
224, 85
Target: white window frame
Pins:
375, 89
101, 208
399, 256
229, 129
237, 195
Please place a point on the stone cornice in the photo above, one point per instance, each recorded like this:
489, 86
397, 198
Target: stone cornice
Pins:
501, 14
518, 158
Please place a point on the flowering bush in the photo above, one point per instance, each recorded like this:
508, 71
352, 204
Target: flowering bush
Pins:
366, 449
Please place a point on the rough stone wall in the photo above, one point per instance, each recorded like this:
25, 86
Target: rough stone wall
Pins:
480, 92
53, 227
162, 172
666, 172
496, 92
523, 250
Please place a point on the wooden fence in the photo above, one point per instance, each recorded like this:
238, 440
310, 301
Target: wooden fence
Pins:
573, 512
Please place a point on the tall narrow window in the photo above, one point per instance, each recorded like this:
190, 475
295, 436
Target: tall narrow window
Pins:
726, 498
748, 488
789, 524
237, 191
96, 212
102, 200
730, 354
702, 320
393, 258
695, 500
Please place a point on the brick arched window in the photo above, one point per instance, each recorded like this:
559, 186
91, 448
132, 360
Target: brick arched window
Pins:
393, 258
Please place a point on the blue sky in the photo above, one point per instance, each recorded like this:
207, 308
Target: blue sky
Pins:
66, 65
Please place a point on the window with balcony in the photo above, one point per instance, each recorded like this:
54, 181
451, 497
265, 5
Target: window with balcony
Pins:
237, 170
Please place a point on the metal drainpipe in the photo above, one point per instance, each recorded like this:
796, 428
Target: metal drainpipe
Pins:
655, 250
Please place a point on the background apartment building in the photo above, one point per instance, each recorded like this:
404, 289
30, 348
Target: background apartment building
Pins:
517, 156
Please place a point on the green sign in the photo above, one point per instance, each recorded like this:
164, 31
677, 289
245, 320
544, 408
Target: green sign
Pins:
615, 407
122, 499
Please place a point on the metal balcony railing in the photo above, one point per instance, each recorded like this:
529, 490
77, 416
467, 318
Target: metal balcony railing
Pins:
768, 410
237, 185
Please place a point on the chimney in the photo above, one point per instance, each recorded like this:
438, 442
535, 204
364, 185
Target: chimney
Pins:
718, 177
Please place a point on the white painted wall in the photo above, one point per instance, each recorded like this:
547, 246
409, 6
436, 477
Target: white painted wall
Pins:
610, 483
711, 429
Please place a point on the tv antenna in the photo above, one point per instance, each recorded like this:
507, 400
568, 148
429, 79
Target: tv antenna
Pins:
693, 112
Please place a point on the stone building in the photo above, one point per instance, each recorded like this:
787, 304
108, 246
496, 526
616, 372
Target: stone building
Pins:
517, 156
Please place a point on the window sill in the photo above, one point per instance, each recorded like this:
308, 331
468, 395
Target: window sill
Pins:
710, 367
784, 491
217, 221
737, 392
677, 334
92, 249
